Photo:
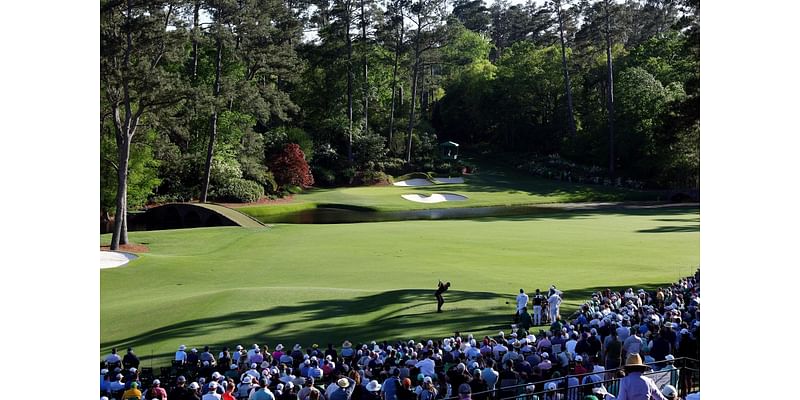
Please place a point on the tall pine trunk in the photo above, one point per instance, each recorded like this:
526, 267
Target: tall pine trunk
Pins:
120, 233
366, 68
195, 32
610, 91
349, 81
413, 100
397, 50
213, 136
567, 84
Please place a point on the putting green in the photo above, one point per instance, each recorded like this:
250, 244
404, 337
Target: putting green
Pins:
326, 283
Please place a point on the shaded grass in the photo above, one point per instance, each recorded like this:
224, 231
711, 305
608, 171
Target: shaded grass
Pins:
494, 185
304, 283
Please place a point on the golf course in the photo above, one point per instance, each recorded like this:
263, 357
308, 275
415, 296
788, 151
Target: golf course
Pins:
324, 283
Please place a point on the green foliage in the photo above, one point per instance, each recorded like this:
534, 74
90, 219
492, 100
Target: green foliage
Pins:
143, 176
238, 190
368, 151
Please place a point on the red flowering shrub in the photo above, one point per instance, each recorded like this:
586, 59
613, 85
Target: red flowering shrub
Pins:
290, 167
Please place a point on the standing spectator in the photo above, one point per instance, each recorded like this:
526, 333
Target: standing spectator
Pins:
612, 351
635, 386
132, 393
555, 304
522, 301
130, 360
113, 358
181, 355
633, 344
426, 366
538, 302
193, 359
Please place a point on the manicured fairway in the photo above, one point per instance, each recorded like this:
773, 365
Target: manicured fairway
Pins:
326, 283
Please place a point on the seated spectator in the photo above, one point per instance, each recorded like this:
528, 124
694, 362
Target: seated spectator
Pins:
133, 393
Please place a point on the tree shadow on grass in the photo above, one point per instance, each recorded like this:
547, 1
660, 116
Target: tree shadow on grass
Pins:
671, 229
317, 320
398, 314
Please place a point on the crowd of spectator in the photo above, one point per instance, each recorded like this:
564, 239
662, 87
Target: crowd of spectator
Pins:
571, 358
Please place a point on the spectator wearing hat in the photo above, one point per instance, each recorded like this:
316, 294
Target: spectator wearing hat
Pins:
670, 392
464, 391
130, 360
180, 392
244, 387
155, 391
194, 391
634, 385
113, 358
428, 391
212, 392
343, 389
105, 381
133, 392
193, 358
308, 387
180, 355
550, 392
117, 384
554, 301
131, 376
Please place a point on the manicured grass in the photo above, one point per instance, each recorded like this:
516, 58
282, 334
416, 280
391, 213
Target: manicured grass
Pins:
326, 283
493, 185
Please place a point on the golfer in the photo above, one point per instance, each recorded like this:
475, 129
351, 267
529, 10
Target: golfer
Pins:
439, 299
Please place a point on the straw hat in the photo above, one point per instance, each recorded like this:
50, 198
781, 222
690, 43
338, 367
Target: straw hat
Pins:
343, 383
634, 360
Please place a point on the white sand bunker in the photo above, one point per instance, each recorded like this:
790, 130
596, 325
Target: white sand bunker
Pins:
414, 182
111, 259
448, 180
425, 182
434, 198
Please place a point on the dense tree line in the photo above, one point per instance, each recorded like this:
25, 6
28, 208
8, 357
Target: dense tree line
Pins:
232, 99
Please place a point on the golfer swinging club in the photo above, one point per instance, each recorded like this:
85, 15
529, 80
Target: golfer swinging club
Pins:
439, 299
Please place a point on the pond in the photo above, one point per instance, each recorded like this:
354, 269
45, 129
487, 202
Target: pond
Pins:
332, 215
